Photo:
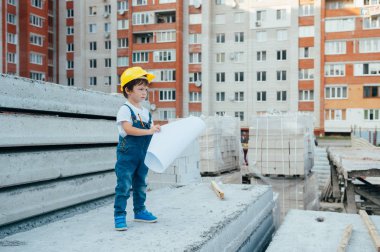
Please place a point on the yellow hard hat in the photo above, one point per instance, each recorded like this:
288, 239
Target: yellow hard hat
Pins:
133, 73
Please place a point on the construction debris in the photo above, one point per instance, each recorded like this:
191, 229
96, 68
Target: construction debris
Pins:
217, 190
371, 229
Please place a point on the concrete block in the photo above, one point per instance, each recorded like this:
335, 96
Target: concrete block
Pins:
243, 221
27, 167
22, 93
26, 130
234, 177
21, 203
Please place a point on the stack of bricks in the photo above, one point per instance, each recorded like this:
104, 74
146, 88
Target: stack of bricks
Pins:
220, 146
281, 145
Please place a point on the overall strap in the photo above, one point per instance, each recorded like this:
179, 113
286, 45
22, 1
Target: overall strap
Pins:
132, 113
150, 119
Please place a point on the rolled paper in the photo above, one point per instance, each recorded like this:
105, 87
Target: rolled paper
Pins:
171, 141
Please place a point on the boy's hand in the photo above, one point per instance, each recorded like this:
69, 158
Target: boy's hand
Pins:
155, 128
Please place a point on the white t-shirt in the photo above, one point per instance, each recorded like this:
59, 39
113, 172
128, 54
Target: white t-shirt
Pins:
124, 114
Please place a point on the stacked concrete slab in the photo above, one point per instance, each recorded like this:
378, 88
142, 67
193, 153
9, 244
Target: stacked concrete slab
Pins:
220, 146
184, 170
321, 167
191, 218
57, 145
322, 231
281, 144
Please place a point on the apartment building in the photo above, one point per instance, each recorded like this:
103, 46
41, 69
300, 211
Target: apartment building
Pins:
29, 39
250, 58
350, 57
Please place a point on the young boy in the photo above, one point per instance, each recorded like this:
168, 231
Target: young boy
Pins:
134, 123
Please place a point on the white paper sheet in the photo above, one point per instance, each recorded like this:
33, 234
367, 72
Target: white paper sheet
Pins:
171, 141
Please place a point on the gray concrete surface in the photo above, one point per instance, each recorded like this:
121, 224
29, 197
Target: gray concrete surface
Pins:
191, 218
24, 202
22, 93
28, 130
27, 167
302, 232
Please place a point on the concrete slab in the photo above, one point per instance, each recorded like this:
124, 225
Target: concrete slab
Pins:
302, 232
191, 218
23, 93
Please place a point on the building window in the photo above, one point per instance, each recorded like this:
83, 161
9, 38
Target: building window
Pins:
195, 58
335, 47
93, 46
281, 95
123, 24
93, 81
239, 76
239, 37
11, 2
167, 1
281, 75
11, 58
70, 30
165, 115
372, 22
220, 19
35, 21
340, 25
220, 38
240, 115
107, 62
282, 35
220, 77
306, 74
36, 40
306, 95
261, 96
371, 114
261, 55
93, 63
261, 76
261, 36
281, 55
195, 18
237, 57
239, 96
219, 2
167, 95
333, 70
164, 56
164, 75
69, 64
37, 76
122, 43
122, 5
220, 57
306, 31
36, 3
195, 97
70, 81
336, 92
370, 69
335, 5
141, 18
220, 96
140, 57
107, 9
281, 14
11, 18
35, 58
107, 27
195, 77
107, 44
122, 61
139, 2
371, 91
369, 45
260, 15
306, 10
306, 52
12, 38
92, 10
92, 28
220, 113
70, 47
194, 38
170, 36
70, 13
107, 80
238, 17
335, 114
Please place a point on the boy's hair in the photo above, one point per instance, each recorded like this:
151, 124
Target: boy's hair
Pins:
129, 86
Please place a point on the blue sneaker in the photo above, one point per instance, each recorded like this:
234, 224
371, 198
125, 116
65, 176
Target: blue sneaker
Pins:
145, 216
120, 223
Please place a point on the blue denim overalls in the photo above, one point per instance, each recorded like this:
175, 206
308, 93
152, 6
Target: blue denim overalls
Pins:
130, 168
